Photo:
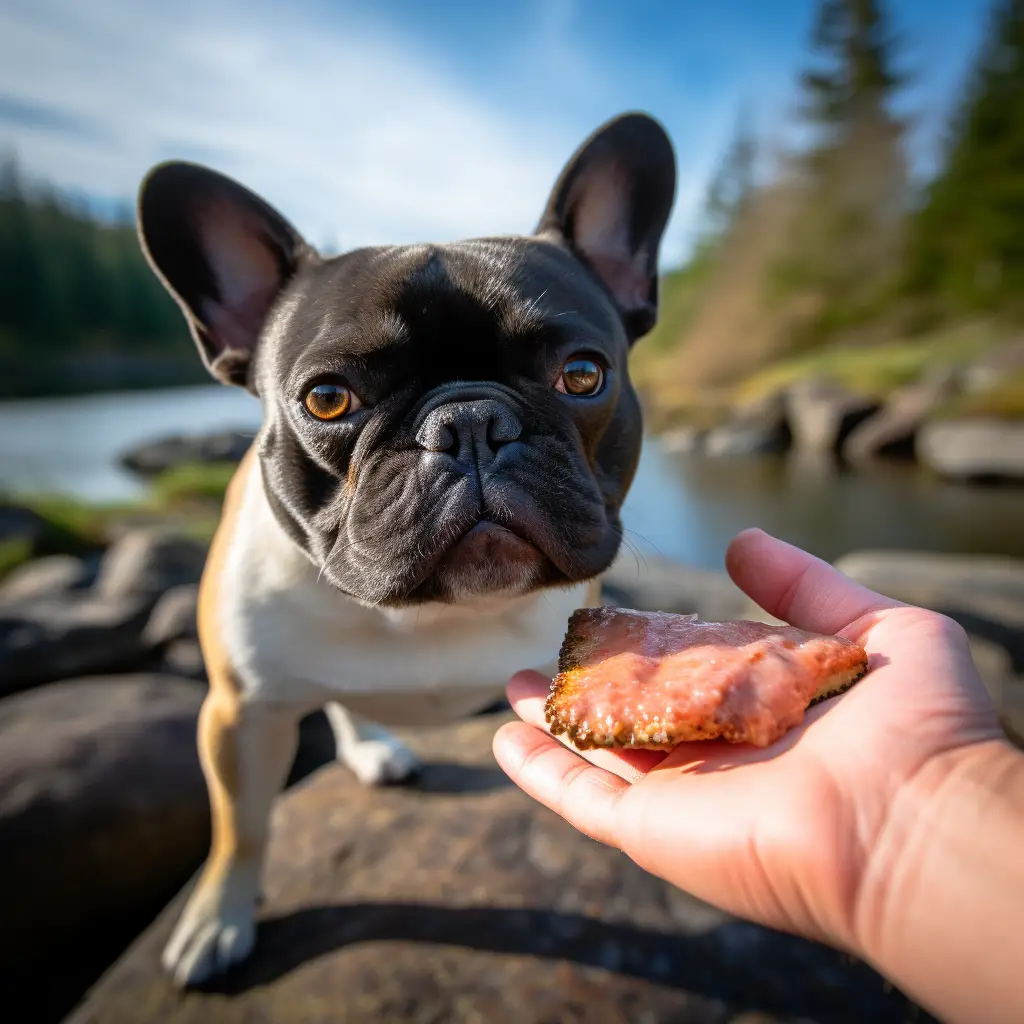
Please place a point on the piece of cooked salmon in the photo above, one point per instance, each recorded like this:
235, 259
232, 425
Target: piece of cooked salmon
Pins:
652, 680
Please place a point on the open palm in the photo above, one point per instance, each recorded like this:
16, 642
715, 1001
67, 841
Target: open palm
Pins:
803, 835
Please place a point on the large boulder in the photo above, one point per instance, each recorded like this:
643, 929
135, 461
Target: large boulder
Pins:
103, 816
149, 562
683, 440
174, 617
21, 524
971, 449
461, 900
78, 633
822, 414
984, 594
759, 428
155, 457
51, 576
892, 431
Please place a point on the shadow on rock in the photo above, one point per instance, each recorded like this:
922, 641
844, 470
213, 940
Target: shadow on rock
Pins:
746, 966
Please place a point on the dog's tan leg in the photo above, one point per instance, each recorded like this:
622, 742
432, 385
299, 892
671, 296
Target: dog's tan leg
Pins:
246, 751
377, 757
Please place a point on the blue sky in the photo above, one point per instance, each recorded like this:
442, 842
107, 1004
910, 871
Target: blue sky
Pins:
402, 120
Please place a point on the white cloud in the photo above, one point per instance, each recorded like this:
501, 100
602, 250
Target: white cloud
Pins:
358, 137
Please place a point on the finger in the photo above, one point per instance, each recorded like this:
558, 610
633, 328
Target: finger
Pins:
585, 796
527, 692
797, 587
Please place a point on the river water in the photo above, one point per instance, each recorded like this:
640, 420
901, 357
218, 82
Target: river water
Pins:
683, 507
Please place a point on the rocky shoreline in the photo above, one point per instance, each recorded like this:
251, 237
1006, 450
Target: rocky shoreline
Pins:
103, 818
949, 421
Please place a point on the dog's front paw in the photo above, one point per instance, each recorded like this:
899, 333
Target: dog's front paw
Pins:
381, 762
217, 930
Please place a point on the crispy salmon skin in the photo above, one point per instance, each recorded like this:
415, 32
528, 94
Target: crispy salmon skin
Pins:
652, 680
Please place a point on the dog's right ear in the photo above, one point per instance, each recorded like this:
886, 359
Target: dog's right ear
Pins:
224, 255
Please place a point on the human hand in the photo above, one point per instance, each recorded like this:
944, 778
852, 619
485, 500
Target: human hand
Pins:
798, 836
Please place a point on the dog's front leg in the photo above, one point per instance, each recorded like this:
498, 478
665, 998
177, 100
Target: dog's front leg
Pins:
246, 751
377, 757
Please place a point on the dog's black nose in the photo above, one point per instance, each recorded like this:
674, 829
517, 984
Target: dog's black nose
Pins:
469, 431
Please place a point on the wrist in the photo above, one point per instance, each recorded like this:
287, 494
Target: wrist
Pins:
941, 893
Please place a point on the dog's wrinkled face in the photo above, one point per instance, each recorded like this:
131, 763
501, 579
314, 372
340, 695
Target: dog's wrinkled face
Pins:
442, 422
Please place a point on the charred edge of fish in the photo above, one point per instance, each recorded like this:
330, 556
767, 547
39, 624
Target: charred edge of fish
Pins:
837, 688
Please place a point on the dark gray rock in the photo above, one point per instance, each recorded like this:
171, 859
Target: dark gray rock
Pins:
79, 633
103, 816
461, 900
759, 428
150, 562
892, 431
174, 616
683, 440
822, 414
973, 449
18, 523
157, 457
184, 658
984, 594
746, 437
45, 577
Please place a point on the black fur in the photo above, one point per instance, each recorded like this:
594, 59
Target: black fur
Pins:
465, 472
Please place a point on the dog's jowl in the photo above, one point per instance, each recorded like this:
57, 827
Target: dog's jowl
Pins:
448, 435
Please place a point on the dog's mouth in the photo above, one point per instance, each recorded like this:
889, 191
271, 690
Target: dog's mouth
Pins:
493, 541
489, 558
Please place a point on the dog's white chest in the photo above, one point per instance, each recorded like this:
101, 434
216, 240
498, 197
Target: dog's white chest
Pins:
297, 640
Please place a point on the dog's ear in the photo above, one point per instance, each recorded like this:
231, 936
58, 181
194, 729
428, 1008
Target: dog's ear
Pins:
611, 204
224, 255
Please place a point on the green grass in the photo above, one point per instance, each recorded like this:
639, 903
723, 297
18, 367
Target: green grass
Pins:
186, 499
872, 370
13, 552
192, 482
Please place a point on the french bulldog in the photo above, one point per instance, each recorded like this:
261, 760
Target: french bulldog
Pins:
448, 435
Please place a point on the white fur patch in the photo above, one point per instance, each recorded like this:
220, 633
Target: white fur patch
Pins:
298, 640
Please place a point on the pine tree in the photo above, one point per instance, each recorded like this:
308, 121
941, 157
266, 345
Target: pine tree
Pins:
968, 240
732, 183
858, 77
847, 239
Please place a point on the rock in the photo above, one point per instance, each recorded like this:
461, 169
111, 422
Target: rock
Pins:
746, 437
683, 440
184, 658
759, 428
461, 900
174, 616
103, 816
80, 633
892, 431
822, 414
45, 577
149, 562
971, 449
157, 457
659, 585
21, 524
984, 594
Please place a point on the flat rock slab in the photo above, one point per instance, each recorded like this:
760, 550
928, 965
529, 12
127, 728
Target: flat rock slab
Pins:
461, 900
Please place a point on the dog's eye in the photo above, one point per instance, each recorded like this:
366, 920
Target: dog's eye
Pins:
580, 376
329, 401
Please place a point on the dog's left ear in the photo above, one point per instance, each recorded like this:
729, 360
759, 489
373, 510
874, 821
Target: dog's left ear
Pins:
611, 204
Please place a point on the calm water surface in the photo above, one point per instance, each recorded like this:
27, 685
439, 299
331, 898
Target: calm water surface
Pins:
682, 507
